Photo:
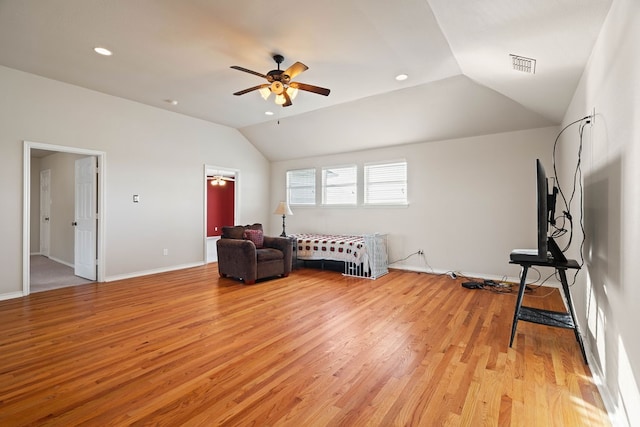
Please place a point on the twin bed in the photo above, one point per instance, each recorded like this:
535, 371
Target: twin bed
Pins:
362, 255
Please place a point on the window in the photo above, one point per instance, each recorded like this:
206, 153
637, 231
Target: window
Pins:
301, 187
385, 183
340, 185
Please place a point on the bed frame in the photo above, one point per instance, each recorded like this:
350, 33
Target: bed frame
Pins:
372, 263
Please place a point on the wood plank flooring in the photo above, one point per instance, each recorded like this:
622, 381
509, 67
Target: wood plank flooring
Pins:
313, 349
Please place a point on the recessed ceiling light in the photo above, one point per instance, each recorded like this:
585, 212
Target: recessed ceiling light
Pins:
268, 113
171, 101
401, 77
102, 51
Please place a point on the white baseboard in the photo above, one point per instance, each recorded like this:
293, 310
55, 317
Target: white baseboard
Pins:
153, 271
549, 283
459, 273
68, 264
11, 295
616, 416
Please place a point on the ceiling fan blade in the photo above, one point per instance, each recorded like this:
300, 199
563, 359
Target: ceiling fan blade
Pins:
295, 69
310, 88
255, 73
251, 89
287, 99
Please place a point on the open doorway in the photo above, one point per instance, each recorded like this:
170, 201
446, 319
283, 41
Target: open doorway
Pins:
220, 198
63, 191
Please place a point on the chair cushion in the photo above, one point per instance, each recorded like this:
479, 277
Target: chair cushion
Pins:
269, 254
255, 236
236, 232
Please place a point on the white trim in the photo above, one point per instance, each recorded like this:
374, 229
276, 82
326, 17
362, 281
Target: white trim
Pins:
11, 295
26, 206
59, 261
616, 414
26, 218
397, 266
152, 271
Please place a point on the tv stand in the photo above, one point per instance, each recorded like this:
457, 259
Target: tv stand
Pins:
556, 252
558, 319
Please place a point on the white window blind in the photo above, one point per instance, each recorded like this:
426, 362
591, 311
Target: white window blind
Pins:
301, 187
385, 183
340, 185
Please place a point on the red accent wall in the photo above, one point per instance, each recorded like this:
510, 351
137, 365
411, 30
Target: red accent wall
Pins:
220, 203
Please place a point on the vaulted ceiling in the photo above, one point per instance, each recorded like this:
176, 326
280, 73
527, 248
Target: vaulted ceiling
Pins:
456, 55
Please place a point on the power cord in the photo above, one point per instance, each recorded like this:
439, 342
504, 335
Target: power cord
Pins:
577, 182
418, 252
405, 258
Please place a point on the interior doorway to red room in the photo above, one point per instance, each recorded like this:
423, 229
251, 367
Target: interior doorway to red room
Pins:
220, 206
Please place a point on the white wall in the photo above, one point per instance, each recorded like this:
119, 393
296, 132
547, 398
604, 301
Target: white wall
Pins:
607, 296
471, 201
155, 153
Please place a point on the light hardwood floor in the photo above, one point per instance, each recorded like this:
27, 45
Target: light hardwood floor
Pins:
313, 349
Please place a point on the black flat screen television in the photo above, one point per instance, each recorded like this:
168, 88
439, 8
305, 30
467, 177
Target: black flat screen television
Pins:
547, 250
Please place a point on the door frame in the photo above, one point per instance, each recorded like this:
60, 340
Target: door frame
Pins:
45, 224
26, 206
213, 170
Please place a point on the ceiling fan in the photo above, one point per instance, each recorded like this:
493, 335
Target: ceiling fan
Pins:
279, 82
219, 179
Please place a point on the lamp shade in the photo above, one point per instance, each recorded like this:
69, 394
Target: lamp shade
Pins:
283, 209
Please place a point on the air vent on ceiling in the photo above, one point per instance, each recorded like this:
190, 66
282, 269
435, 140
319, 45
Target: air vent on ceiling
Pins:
523, 64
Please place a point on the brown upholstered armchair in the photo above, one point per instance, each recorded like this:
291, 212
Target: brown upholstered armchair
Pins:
241, 255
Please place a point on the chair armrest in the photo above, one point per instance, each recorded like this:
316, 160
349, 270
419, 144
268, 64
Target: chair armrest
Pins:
283, 244
280, 243
237, 258
237, 248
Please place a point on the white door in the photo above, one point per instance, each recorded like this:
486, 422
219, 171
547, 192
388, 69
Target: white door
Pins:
45, 211
85, 222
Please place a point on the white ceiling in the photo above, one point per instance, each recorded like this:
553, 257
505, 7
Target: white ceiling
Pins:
456, 54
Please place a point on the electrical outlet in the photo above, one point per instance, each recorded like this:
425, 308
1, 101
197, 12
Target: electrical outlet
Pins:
165, 251
420, 252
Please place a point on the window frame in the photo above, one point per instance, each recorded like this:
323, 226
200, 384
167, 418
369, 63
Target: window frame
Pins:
367, 183
290, 188
353, 168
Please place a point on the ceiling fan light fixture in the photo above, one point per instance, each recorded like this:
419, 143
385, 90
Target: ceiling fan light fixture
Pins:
279, 82
218, 180
277, 88
292, 92
265, 92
